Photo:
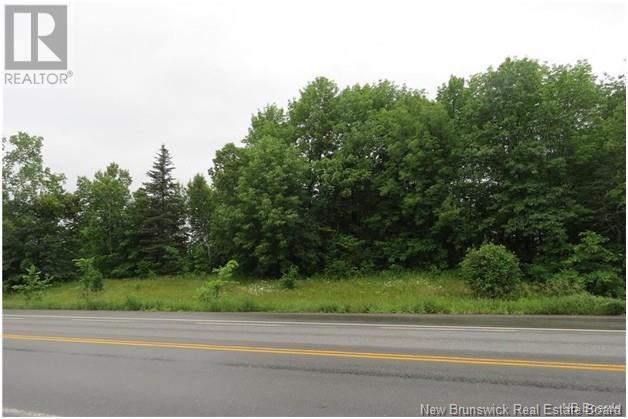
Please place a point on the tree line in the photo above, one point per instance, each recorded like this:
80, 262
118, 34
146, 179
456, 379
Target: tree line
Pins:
370, 177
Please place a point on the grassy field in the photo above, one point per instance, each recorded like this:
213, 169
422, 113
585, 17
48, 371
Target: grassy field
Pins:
409, 292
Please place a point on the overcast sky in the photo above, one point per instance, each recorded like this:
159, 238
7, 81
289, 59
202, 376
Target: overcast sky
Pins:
190, 74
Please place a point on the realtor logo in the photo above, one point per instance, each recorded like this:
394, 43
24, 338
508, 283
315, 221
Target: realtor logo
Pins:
36, 37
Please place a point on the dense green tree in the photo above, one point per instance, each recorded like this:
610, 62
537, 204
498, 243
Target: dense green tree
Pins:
265, 225
24, 176
199, 207
598, 166
272, 121
105, 221
526, 155
313, 117
452, 95
224, 175
40, 219
517, 130
398, 179
378, 191
161, 209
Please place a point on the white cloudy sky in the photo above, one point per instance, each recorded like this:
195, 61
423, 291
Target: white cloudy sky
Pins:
191, 73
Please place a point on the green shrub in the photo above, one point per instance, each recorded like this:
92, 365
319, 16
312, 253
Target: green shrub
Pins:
590, 254
565, 282
173, 260
125, 270
132, 303
197, 261
597, 265
430, 307
613, 307
212, 289
33, 285
144, 269
289, 278
537, 272
394, 268
339, 269
226, 271
215, 286
330, 307
491, 271
605, 283
90, 279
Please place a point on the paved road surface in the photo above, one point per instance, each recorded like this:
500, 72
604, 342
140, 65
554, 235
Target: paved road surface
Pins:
201, 364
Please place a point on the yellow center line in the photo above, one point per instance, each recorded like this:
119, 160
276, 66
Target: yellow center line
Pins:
329, 353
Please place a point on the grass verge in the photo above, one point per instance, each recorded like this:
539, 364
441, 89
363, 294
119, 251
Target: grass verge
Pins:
408, 292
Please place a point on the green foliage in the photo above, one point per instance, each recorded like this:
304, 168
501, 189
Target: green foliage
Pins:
339, 269
491, 271
105, 222
39, 219
263, 222
590, 254
605, 283
24, 176
199, 208
591, 259
289, 278
33, 285
214, 287
226, 271
132, 304
565, 282
144, 269
90, 279
516, 139
345, 181
160, 211
404, 292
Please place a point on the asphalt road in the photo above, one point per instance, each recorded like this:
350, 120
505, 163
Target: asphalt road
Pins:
201, 364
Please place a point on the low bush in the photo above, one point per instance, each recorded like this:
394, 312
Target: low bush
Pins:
33, 285
597, 265
491, 271
330, 307
289, 278
565, 282
214, 287
145, 269
227, 270
591, 255
340, 269
90, 279
434, 307
133, 304
605, 283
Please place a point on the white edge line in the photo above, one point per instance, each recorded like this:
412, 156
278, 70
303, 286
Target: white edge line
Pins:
101, 320
452, 328
268, 322
223, 323
20, 412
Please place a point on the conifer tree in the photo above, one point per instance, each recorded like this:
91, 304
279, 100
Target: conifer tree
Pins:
161, 235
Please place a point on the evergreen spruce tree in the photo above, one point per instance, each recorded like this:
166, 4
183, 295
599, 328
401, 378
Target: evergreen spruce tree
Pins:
161, 235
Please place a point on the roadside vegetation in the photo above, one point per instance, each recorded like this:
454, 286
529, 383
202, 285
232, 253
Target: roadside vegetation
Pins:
385, 292
512, 181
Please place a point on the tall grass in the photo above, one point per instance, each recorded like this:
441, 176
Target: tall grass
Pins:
405, 292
